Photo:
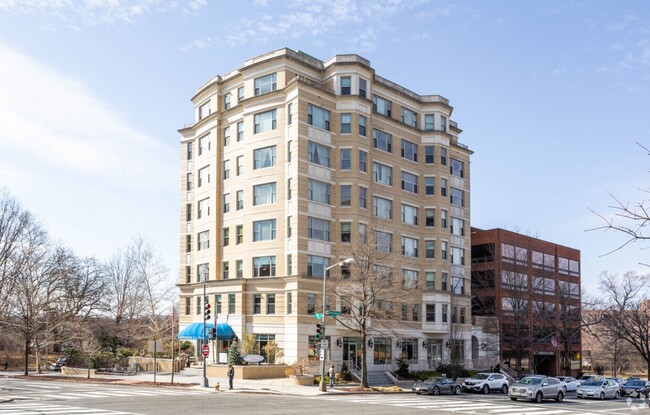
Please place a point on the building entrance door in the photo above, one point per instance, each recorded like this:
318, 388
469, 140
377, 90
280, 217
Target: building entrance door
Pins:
351, 354
434, 353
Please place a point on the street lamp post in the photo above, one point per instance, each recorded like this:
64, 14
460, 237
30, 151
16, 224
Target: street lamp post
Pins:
323, 385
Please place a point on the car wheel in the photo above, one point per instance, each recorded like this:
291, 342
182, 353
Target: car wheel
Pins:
513, 399
457, 390
504, 389
617, 395
486, 389
560, 397
539, 397
436, 390
602, 396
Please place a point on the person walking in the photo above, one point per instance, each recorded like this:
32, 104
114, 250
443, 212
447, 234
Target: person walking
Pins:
231, 375
331, 373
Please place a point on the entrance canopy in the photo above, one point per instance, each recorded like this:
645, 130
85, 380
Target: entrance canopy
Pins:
195, 331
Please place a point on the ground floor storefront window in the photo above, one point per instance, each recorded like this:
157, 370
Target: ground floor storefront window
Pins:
382, 350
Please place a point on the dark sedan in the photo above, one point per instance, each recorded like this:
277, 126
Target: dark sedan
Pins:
634, 388
436, 386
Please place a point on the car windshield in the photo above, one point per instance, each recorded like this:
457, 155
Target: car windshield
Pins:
433, 380
481, 376
635, 383
531, 381
593, 383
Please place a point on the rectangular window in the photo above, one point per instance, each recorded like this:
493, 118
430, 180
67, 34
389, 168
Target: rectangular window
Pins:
226, 169
362, 87
318, 154
257, 303
409, 182
270, 303
346, 159
381, 105
382, 174
457, 197
188, 212
226, 236
189, 151
457, 226
226, 202
458, 285
462, 315
203, 272
265, 121
430, 313
264, 157
346, 85
409, 214
445, 309
443, 123
264, 266
240, 199
264, 194
289, 114
409, 247
410, 278
289, 231
240, 234
430, 217
405, 311
346, 195
217, 304
409, 117
318, 191
430, 249
429, 122
231, 303
443, 281
384, 241
289, 267
204, 176
429, 186
188, 243
311, 303
363, 197
443, 218
383, 207
188, 274
443, 249
203, 240
226, 136
346, 231
240, 131
318, 229
289, 303
188, 182
240, 165
204, 208
431, 280
457, 256
409, 150
443, 187
415, 312
204, 110
362, 125
289, 189
240, 268
264, 230
429, 154
316, 265
456, 167
266, 84
226, 270
240, 94
199, 307
346, 123
363, 161
318, 117
226, 101
443, 156
204, 144
289, 151
382, 140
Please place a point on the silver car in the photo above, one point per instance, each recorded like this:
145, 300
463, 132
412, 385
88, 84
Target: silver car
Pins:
600, 389
570, 384
537, 389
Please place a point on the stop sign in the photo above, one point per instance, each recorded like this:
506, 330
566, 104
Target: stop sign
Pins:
205, 350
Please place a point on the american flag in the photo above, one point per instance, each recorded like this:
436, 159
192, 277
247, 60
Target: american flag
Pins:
554, 341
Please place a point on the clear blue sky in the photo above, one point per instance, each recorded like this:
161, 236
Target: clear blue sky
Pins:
551, 95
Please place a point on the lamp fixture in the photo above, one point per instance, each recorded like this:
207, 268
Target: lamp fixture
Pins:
399, 343
447, 344
483, 346
425, 343
339, 342
370, 343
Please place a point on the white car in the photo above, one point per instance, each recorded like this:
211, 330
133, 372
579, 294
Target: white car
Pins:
570, 384
486, 382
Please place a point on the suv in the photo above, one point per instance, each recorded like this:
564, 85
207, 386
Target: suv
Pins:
537, 389
486, 382
60, 362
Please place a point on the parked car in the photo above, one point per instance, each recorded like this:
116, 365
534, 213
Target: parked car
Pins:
436, 386
60, 362
530, 375
634, 388
486, 382
620, 381
585, 378
600, 389
568, 383
537, 389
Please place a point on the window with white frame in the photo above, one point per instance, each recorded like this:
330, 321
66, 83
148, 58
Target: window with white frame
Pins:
444, 248
409, 247
226, 101
457, 226
346, 159
226, 169
346, 231
203, 272
409, 117
384, 241
443, 123
457, 197
204, 144
264, 157
362, 125
382, 174
409, 182
318, 191
204, 208
204, 240
429, 185
409, 150
431, 280
457, 256
204, 110
240, 165
226, 136
430, 249
240, 131
409, 214
240, 94
318, 117
382, 140
430, 313
429, 154
264, 230
226, 202
189, 150
318, 154
429, 122
264, 194
266, 84
383, 207
363, 197
362, 87
226, 270
289, 114
443, 218
458, 285
204, 176
265, 121
363, 232
382, 105
346, 195
264, 266
346, 123
346, 85
363, 161
443, 281
443, 186
456, 167
318, 229
316, 265
240, 199
410, 278
430, 217
443, 156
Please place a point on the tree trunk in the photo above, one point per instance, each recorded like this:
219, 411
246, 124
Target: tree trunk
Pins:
26, 355
364, 363
648, 364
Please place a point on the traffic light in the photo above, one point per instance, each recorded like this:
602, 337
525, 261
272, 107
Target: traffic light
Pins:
213, 334
320, 331
206, 312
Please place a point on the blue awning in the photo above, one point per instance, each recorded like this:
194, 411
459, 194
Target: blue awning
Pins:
195, 331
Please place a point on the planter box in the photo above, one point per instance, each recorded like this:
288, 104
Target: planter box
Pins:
249, 372
302, 380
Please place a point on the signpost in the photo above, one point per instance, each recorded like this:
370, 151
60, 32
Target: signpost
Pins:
318, 316
332, 313
205, 350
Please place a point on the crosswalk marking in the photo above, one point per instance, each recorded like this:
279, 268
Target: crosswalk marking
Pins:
47, 409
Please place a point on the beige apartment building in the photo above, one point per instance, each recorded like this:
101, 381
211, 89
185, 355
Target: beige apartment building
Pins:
290, 159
